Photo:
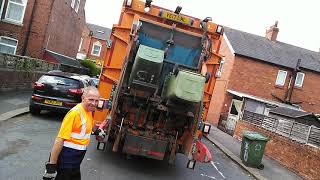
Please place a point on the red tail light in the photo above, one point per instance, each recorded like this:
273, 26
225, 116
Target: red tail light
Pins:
36, 98
76, 91
38, 85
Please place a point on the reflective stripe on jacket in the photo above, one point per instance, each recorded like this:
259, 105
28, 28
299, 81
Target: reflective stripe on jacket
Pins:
80, 123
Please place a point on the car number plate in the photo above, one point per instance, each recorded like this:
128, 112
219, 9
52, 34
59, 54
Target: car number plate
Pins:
53, 102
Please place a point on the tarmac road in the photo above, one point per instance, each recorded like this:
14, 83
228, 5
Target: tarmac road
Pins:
25, 142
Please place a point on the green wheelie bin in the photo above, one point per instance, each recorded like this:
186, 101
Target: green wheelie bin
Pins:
252, 149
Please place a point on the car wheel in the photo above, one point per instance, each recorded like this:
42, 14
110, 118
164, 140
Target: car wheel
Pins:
34, 110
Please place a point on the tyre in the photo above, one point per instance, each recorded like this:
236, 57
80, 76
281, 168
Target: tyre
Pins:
34, 111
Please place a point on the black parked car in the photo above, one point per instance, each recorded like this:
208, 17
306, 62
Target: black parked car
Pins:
57, 91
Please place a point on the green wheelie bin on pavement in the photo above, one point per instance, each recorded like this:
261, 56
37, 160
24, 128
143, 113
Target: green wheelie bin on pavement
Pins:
252, 149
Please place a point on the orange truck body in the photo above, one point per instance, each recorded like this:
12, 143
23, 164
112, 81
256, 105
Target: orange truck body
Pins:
122, 38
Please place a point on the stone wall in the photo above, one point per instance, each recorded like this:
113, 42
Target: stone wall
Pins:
19, 72
302, 159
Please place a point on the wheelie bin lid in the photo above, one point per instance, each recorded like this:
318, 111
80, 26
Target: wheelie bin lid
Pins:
255, 136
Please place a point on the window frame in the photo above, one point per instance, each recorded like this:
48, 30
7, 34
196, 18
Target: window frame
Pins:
77, 5
23, 11
73, 2
295, 81
15, 47
285, 77
1, 8
96, 44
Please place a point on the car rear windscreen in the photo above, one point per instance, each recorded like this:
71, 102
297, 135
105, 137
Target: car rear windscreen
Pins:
57, 80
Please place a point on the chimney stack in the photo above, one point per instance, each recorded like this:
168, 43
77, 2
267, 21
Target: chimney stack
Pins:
272, 32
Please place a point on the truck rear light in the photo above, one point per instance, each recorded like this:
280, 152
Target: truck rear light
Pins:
206, 128
101, 104
38, 85
147, 6
76, 91
219, 30
129, 3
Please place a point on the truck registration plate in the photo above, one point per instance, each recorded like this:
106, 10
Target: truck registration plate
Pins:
176, 17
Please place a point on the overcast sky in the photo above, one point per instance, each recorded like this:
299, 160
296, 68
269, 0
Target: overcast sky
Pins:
299, 20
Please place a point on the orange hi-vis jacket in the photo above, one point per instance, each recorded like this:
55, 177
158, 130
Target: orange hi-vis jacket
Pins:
76, 128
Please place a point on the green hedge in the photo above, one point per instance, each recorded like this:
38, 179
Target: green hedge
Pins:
93, 69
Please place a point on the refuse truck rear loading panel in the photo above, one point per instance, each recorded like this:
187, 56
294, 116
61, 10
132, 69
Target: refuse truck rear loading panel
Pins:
157, 81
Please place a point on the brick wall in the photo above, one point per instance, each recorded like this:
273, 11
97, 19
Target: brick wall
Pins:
65, 28
55, 26
19, 72
257, 78
302, 159
36, 43
85, 46
14, 31
217, 105
103, 52
11, 80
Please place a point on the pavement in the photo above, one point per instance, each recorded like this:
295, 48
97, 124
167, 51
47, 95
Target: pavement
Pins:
231, 147
13, 104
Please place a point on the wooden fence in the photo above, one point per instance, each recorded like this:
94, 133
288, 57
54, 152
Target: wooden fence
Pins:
301, 133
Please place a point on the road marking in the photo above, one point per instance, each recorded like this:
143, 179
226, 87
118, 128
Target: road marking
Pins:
204, 175
212, 163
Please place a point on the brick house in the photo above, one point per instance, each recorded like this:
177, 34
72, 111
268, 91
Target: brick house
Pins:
37, 28
94, 43
263, 68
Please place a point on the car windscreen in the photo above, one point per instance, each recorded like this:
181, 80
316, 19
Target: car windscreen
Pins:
58, 80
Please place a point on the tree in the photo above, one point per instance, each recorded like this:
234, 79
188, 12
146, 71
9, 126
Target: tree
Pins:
93, 69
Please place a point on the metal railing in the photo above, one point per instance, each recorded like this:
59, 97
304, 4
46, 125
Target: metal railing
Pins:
15, 62
302, 133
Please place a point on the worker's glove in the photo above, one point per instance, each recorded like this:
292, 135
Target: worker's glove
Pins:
100, 133
50, 171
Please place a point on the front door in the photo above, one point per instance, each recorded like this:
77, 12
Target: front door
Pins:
234, 114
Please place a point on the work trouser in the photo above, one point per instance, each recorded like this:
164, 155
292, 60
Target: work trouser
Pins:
69, 161
69, 174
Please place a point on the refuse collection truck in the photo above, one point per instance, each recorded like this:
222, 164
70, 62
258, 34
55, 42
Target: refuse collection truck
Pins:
157, 81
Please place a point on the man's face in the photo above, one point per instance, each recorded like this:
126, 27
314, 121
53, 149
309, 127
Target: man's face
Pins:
90, 101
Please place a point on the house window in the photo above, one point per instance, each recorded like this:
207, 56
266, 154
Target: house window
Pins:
281, 78
8, 45
96, 49
1, 7
75, 4
299, 79
15, 10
